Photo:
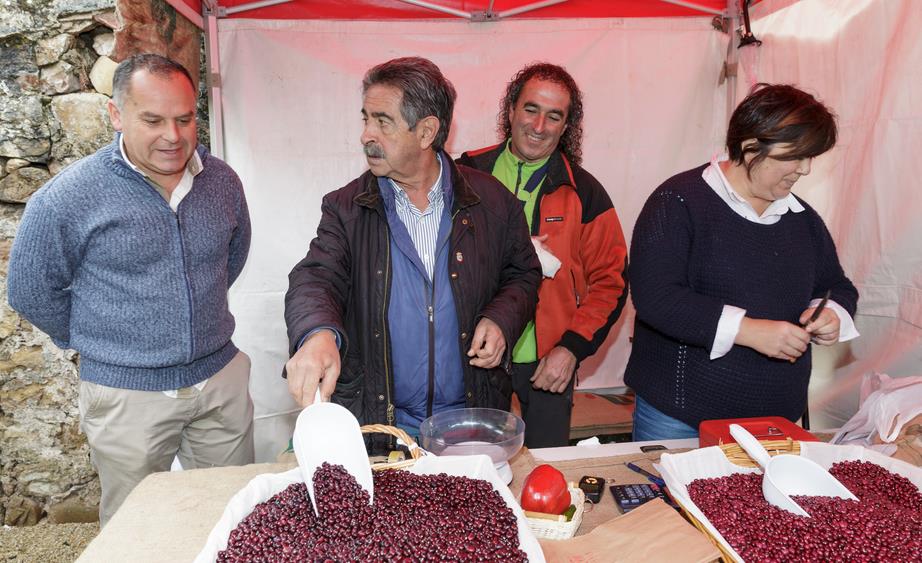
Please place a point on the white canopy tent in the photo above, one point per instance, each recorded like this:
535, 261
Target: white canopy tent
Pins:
289, 94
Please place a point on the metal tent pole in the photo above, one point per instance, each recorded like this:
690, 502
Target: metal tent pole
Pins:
188, 12
211, 11
732, 63
437, 8
528, 8
693, 6
252, 6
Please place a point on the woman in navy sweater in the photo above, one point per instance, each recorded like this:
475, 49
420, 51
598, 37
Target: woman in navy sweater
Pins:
727, 268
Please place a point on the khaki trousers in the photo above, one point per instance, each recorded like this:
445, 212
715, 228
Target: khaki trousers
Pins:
135, 433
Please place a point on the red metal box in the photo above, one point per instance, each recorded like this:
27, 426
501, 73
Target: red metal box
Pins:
717, 432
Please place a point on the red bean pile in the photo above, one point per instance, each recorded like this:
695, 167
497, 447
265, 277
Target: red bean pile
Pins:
413, 518
885, 524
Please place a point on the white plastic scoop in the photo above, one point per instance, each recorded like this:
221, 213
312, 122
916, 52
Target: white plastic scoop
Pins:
789, 475
327, 432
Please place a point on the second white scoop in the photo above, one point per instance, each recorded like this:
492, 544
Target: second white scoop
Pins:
789, 475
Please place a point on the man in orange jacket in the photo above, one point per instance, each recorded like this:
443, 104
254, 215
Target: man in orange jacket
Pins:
577, 235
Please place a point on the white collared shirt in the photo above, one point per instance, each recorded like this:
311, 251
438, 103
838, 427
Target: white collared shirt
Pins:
182, 189
730, 319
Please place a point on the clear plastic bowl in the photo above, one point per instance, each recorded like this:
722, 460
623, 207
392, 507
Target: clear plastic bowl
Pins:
495, 433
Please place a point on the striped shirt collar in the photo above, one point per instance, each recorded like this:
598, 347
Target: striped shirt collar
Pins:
436, 193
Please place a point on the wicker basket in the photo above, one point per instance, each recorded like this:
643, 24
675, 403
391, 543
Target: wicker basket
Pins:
415, 451
555, 529
738, 456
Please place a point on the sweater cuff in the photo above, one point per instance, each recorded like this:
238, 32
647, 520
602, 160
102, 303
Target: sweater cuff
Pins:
577, 345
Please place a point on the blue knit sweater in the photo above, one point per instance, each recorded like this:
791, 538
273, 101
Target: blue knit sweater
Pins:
104, 266
690, 256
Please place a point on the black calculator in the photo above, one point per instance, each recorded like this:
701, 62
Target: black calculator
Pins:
629, 497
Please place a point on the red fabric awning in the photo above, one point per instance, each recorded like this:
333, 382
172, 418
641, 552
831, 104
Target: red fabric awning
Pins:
394, 9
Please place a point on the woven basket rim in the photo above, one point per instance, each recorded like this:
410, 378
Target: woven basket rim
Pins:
415, 451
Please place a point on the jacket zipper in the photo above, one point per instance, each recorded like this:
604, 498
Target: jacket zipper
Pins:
518, 179
185, 275
387, 372
431, 395
575, 292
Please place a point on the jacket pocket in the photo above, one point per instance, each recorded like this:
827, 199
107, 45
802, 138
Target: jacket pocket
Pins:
348, 392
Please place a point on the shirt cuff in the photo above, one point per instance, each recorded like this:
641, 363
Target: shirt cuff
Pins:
318, 329
847, 330
727, 328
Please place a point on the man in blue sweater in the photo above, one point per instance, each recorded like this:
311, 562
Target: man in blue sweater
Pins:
126, 256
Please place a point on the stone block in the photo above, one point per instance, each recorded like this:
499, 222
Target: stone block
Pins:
21, 395
17, 65
29, 357
101, 75
48, 51
108, 19
24, 131
155, 27
72, 510
75, 9
16, 164
21, 183
9, 320
84, 124
60, 78
103, 44
21, 511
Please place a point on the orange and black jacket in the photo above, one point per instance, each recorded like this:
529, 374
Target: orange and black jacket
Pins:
579, 305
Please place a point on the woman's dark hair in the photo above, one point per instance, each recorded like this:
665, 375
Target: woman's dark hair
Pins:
572, 137
425, 91
779, 114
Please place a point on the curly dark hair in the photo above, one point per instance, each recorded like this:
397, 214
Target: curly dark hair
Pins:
572, 137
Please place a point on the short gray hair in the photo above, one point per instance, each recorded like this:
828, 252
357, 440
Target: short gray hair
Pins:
425, 90
154, 64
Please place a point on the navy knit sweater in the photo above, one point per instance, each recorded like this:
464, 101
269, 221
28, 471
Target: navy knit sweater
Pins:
690, 256
103, 265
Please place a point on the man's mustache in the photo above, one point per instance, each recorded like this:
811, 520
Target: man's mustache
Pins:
373, 150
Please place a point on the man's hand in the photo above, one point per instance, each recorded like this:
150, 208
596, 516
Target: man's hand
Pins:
315, 363
775, 339
488, 345
825, 330
555, 370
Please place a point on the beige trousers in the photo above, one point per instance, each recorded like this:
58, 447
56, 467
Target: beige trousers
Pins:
135, 433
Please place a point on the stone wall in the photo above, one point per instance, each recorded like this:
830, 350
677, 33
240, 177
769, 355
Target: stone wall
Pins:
56, 64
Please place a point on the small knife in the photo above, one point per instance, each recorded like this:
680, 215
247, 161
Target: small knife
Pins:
819, 308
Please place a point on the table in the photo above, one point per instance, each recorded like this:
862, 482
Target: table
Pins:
169, 515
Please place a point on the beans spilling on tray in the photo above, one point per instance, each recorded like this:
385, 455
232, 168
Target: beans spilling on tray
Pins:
885, 524
413, 518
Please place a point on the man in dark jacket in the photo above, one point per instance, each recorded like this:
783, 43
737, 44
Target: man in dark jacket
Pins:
422, 272
575, 225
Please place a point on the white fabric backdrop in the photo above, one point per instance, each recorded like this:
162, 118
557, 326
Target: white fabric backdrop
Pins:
292, 95
864, 59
